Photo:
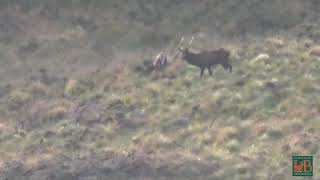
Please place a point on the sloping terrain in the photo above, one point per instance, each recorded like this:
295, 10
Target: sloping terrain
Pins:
73, 105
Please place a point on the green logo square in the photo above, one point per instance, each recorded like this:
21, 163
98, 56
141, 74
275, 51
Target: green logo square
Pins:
302, 165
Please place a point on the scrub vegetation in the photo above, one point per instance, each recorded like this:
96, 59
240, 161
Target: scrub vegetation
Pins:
74, 105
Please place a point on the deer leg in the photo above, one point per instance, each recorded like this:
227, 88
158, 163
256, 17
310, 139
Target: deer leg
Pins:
202, 70
210, 71
227, 67
230, 68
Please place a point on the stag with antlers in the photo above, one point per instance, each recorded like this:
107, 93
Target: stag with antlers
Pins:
206, 59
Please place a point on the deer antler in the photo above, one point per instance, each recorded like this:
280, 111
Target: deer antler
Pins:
190, 42
181, 40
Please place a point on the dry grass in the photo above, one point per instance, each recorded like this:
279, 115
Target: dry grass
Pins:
276, 42
58, 112
260, 128
34, 160
315, 51
226, 133
171, 119
3, 126
38, 89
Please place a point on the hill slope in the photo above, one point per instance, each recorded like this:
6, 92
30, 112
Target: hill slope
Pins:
73, 106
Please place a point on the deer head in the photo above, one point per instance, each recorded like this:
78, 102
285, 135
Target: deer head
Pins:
185, 50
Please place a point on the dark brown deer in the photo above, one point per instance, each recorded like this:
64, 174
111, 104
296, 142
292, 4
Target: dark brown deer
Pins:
207, 59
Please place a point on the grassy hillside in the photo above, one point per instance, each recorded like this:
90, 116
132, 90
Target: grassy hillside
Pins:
73, 105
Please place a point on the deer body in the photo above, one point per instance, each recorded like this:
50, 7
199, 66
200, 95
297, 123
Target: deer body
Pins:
207, 59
